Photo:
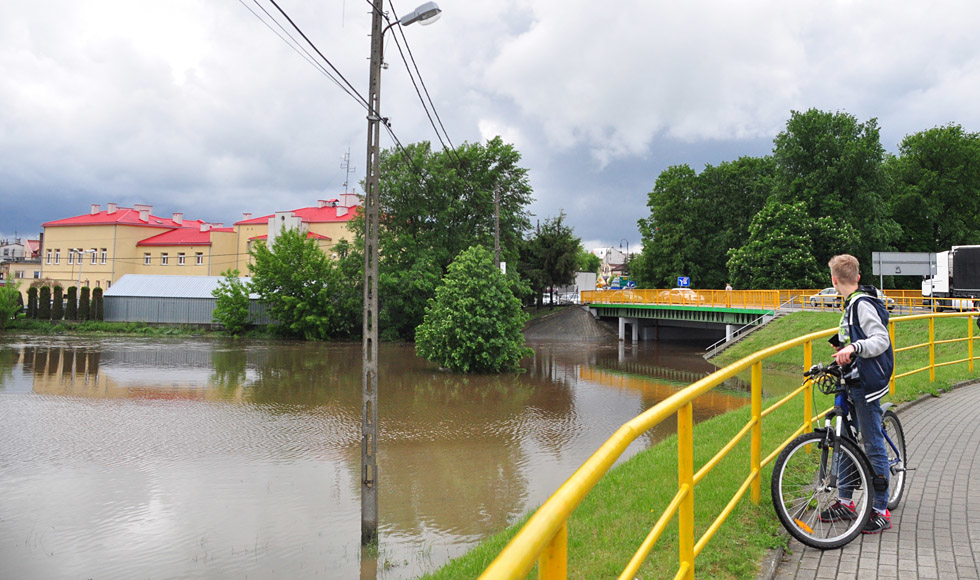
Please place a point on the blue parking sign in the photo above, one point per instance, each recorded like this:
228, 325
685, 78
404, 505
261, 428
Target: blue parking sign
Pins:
683, 281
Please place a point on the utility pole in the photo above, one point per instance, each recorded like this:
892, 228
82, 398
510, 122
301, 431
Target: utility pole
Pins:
369, 374
496, 226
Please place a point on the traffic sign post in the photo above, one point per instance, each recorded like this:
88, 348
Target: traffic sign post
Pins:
683, 282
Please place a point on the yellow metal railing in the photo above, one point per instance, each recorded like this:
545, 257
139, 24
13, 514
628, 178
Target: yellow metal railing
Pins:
544, 538
807, 299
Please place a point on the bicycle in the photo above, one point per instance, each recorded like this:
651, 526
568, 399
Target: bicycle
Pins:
809, 474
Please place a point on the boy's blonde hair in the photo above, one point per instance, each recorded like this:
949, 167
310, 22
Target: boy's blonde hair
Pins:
845, 268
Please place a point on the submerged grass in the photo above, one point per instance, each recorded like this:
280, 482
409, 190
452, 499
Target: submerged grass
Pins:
616, 516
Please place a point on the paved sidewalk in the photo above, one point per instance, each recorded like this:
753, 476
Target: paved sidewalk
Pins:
936, 529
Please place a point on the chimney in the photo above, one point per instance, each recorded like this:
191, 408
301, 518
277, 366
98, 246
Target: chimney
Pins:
144, 211
110, 208
205, 227
95, 208
246, 215
348, 199
178, 218
321, 203
342, 211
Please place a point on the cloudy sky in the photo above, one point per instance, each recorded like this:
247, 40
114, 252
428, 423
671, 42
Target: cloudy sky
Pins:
198, 107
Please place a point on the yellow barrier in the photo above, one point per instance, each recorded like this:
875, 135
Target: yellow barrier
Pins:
544, 538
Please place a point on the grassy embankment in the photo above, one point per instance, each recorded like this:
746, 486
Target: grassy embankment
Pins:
99, 328
615, 517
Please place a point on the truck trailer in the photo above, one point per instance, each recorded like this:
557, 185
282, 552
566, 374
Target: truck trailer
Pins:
956, 283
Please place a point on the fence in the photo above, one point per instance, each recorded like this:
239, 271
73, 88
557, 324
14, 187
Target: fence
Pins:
544, 538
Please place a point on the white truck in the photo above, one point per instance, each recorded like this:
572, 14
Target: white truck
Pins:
957, 280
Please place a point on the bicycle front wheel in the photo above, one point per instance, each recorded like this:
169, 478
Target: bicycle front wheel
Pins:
809, 477
897, 460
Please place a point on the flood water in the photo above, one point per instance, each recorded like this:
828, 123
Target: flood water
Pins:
205, 458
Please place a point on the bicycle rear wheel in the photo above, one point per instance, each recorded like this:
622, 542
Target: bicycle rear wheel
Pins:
804, 489
897, 459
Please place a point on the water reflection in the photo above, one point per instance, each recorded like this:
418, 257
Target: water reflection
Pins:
217, 459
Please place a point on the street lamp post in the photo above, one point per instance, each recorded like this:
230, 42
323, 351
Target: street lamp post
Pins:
626, 265
81, 254
424, 14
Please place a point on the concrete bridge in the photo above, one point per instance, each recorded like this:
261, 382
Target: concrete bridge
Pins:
684, 313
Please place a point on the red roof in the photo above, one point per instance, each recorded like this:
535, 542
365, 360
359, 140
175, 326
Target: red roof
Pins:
122, 216
308, 235
183, 237
310, 215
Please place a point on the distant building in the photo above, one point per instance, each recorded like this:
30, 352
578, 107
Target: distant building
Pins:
99, 248
19, 261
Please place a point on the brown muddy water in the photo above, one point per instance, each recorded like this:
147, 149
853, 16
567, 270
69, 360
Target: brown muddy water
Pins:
204, 458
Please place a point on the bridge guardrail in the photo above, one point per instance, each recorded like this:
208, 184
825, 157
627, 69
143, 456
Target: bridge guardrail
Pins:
544, 538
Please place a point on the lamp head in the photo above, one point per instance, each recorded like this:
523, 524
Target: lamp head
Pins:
425, 14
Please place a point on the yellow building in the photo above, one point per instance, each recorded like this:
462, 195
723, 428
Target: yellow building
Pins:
98, 248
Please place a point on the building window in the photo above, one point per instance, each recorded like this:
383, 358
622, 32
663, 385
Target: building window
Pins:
71, 257
95, 255
200, 258
103, 255
164, 259
37, 274
19, 274
181, 259
47, 257
107, 284
57, 257
146, 259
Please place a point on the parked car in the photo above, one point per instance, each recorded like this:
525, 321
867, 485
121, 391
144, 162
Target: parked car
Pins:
828, 297
680, 296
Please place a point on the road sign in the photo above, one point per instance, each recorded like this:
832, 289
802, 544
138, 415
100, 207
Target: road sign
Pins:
683, 281
631, 284
903, 263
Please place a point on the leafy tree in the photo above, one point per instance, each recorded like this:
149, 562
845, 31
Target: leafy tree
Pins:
231, 307
586, 261
777, 254
675, 239
57, 305
44, 303
433, 205
936, 179
834, 165
301, 287
84, 304
10, 302
71, 311
474, 324
554, 250
32, 302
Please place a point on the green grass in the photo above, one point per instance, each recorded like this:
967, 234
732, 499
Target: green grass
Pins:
616, 516
100, 328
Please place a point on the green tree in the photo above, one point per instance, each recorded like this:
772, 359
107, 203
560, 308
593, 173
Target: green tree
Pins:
586, 261
44, 303
777, 254
98, 305
433, 205
671, 232
474, 324
936, 179
10, 302
301, 287
834, 165
555, 251
71, 311
231, 306
32, 293
58, 305
84, 303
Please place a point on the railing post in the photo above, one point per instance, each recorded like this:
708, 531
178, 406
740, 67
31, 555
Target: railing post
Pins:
553, 561
807, 388
969, 342
756, 432
685, 478
891, 336
932, 349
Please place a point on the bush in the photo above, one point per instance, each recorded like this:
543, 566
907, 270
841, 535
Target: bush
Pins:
97, 310
231, 310
474, 323
83, 304
71, 311
58, 304
32, 303
44, 303
10, 302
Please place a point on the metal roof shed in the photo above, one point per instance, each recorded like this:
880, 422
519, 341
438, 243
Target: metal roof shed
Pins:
169, 300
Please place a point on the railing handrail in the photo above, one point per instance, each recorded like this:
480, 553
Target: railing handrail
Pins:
544, 536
